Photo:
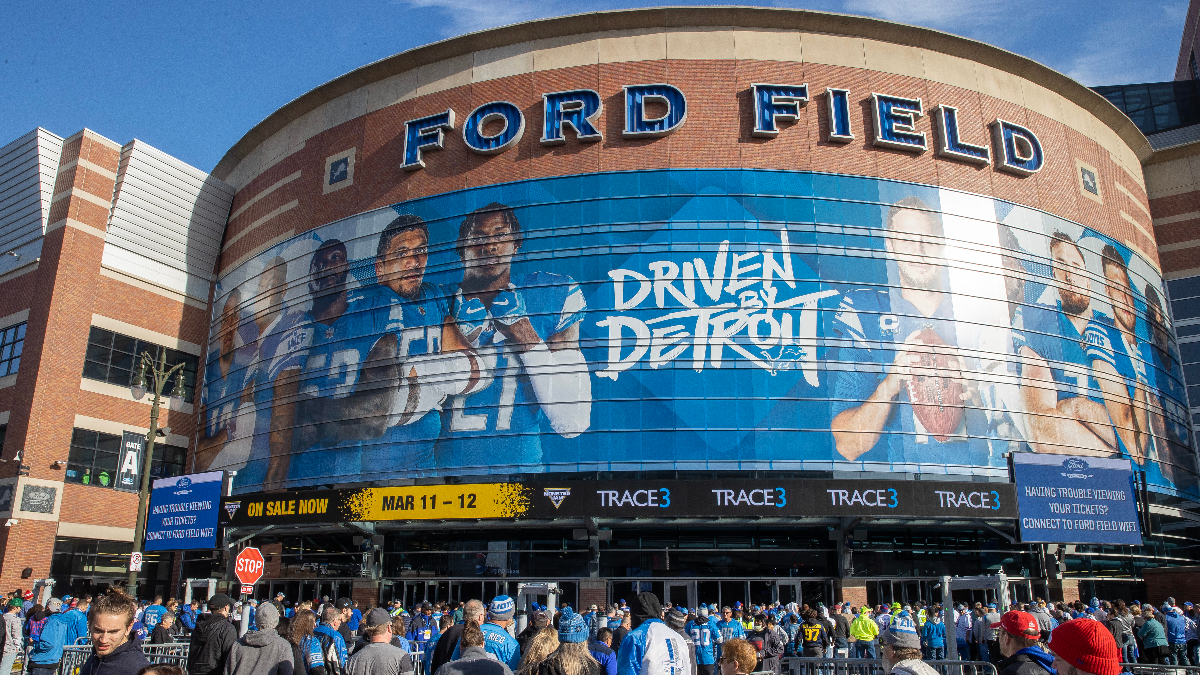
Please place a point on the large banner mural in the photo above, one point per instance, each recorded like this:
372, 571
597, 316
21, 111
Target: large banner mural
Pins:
690, 320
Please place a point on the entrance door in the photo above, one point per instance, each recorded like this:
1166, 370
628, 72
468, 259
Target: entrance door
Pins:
787, 591
680, 593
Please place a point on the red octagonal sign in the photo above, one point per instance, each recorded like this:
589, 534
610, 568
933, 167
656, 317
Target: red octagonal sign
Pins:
249, 566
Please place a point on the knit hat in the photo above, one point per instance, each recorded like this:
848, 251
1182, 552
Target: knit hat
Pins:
1018, 624
903, 634
267, 617
572, 627
1088, 646
647, 606
676, 618
53, 605
703, 613
502, 608
28, 595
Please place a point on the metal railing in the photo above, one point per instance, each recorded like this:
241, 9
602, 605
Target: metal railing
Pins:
802, 665
173, 653
1159, 669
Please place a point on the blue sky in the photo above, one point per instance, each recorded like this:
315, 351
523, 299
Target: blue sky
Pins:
192, 78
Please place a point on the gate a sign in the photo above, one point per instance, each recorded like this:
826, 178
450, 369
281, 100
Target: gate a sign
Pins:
248, 566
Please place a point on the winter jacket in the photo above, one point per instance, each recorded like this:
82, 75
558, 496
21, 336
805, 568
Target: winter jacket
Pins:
210, 644
1028, 661
475, 661
160, 636
1176, 628
262, 652
127, 659
812, 636
1121, 631
13, 637
188, 618
653, 649
443, 650
307, 658
934, 632
554, 667
864, 628
841, 626
497, 642
605, 656
962, 627
78, 627
1152, 634
48, 648
333, 648
774, 643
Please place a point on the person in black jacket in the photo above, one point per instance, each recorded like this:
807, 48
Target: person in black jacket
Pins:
444, 649
162, 632
115, 649
213, 638
813, 638
1019, 635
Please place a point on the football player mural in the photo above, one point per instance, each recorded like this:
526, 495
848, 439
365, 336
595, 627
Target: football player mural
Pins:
690, 320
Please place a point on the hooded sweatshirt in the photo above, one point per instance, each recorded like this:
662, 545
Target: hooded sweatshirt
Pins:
912, 667
934, 632
260, 652
1028, 661
127, 659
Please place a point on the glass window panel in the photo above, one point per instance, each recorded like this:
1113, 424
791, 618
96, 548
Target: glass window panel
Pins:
108, 443
106, 460
124, 343
101, 337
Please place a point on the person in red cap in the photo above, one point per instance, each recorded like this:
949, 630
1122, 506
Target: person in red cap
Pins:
1081, 646
1018, 641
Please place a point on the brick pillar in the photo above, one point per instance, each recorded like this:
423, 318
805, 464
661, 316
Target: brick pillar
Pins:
851, 591
365, 593
592, 592
44, 401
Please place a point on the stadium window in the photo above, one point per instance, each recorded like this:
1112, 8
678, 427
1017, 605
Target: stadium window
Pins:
92, 459
12, 341
168, 461
1192, 65
114, 358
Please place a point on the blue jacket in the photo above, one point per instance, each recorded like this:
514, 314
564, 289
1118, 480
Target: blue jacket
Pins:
632, 654
498, 643
325, 629
49, 646
935, 634
355, 618
188, 618
605, 655
78, 627
1176, 628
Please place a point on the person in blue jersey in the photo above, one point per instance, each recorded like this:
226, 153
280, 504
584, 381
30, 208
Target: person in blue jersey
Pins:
496, 639
1061, 353
223, 391
1132, 353
526, 330
729, 628
908, 402
705, 635
437, 360
652, 647
153, 614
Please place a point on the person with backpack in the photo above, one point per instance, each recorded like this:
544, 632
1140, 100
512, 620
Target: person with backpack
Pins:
333, 645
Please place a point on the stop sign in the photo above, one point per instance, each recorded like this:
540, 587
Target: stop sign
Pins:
248, 566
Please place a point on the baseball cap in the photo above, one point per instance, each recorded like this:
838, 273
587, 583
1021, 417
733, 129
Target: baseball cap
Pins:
1088, 646
342, 603
593, 608
377, 617
991, 605
1018, 624
218, 601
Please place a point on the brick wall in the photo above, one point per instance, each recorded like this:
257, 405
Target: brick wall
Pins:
846, 591
592, 592
1181, 583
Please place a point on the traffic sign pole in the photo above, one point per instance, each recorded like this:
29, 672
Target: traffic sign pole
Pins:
248, 567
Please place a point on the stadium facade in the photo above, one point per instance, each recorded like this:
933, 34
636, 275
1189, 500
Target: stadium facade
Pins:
724, 303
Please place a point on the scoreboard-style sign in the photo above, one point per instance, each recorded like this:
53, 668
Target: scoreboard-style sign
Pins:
644, 499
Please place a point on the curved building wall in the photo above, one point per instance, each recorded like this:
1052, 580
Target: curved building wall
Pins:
715, 298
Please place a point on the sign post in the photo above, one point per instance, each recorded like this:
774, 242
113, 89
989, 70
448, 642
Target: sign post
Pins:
248, 567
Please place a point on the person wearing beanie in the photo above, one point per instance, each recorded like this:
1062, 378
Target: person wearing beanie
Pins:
901, 648
677, 620
498, 642
1019, 635
262, 651
47, 650
1083, 648
652, 648
705, 636
571, 657
474, 659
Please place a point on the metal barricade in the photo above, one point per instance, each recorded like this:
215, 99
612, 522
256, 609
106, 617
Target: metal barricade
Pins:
172, 653
1159, 669
802, 665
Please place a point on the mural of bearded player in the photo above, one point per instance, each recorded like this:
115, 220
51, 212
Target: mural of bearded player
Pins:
907, 401
525, 328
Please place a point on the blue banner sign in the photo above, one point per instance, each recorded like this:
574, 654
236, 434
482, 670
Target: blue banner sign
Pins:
1076, 500
183, 512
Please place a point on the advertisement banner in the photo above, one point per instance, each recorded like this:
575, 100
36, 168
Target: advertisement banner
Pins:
183, 512
690, 320
625, 499
1065, 499
133, 449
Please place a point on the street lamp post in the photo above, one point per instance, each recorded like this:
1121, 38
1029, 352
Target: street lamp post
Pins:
160, 376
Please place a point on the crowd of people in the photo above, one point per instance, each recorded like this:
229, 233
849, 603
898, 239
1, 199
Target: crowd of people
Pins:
643, 638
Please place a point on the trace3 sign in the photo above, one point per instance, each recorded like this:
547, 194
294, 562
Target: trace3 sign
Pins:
248, 566
1076, 500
